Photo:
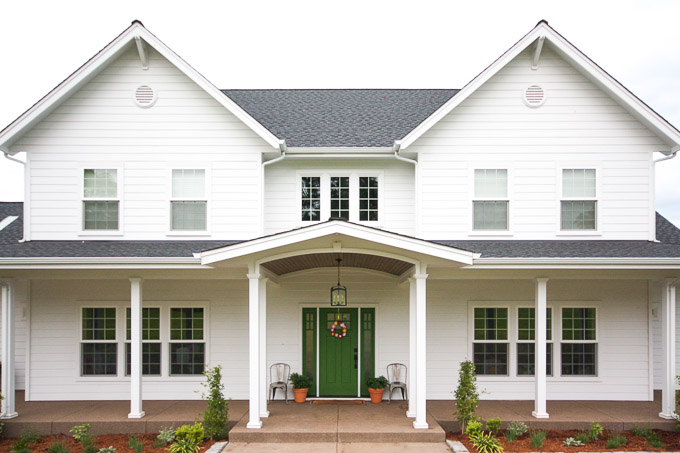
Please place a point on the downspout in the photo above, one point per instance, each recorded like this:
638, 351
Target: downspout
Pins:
652, 221
282, 148
7, 156
396, 147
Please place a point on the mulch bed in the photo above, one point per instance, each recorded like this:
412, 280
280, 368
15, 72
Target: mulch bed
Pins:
555, 439
118, 441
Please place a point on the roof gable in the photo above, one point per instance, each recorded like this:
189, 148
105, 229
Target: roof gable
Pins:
135, 35
541, 34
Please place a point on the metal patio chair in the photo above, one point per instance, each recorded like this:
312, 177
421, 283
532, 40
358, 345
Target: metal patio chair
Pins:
278, 379
397, 374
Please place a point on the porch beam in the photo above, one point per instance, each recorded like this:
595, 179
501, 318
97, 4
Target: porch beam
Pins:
541, 317
421, 349
8, 348
264, 410
668, 348
136, 348
412, 403
254, 421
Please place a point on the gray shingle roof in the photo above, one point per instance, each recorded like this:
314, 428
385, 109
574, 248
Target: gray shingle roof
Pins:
10, 247
340, 118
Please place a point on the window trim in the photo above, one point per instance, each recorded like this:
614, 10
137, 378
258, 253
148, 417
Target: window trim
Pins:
353, 175
508, 340
597, 199
206, 197
119, 198
170, 341
81, 341
510, 194
518, 341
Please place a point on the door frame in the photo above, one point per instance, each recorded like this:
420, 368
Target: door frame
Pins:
376, 348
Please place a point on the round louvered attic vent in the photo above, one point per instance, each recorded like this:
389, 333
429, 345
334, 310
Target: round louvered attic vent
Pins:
534, 96
145, 96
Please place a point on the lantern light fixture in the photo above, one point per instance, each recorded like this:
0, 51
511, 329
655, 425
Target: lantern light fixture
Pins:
338, 292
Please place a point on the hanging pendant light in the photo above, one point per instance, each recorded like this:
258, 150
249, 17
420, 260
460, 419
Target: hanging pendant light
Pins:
338, 292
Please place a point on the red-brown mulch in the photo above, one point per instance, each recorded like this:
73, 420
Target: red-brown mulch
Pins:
118, 441
554, 442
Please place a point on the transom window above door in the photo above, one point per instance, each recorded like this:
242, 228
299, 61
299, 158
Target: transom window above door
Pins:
349, 196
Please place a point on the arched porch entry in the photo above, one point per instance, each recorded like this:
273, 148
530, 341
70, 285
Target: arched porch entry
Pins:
272, 258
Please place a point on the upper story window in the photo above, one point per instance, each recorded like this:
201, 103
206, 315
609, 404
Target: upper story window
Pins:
579, 203
100, 199
356, 198
490, 205
189, 205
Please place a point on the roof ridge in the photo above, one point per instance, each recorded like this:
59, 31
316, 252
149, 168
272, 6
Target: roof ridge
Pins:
339, 89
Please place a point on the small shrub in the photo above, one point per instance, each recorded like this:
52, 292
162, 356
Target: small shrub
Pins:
375, 383
90, 448
28, 437
157, 443
493, 425
537, 438
583, 437
300, 381
466, 394
595, 431
514, 430
571, 442
616, 441
31, 436
193, 433
473, 429
486, 443
641, 430
24, 449
654, 440
58, 447
108, 449
166, 434
215, 419
184, 446
135, 444
80, 432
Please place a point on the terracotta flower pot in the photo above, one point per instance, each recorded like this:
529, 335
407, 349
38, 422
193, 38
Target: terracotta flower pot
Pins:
376, 395
300, 395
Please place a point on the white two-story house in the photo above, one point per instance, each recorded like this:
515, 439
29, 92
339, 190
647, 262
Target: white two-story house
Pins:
169, 226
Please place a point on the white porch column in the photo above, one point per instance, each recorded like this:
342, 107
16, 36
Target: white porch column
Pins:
541, 313
264, 412
8, 366
254, 346
136, 348
412, 403
668, 348
421, 349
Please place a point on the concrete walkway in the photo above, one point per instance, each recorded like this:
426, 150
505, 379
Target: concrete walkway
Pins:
332, 447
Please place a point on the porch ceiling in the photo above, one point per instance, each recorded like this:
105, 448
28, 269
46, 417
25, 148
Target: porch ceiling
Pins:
357, 260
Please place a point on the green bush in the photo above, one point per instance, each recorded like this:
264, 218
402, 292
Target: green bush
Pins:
215, 419
376, 383
300, 381
90, 448
486, 443
166, 434
654, 439
58, 447
616, 441
28, 437
595, 431
135, 444
193, 433
473, 429
583, 437
514, 430
571, 442
537, 438
641, 430
494, 425
80, 432
466, 394
184, 446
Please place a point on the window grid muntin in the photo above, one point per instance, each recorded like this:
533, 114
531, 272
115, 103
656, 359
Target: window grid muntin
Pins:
187, 324
579, 183
368, 198
490, 206
490, 323
188, 203
578, 215
578, 207
151, 358
491, 183
187, 358
526, 324
100, 206
310, 196
490, 215
99, 359
339, 197
526, 359
100, 183
151, 323
98, 324
490, 359
579, 324
100, 214
578, 359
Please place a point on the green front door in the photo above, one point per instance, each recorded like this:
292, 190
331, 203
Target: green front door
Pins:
338, 357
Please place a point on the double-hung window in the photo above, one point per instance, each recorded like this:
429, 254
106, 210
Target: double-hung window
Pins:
352, 197
187, 341
526, 342
98, 347
490, 346
368, 198
311, 198
151, 342
490, 205
579, 341
189, 205
340, 197
579, 203
100, 199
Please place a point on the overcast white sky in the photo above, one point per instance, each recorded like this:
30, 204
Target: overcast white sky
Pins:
343, 44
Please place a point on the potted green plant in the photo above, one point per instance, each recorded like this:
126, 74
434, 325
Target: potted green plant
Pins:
301, 384
376, 387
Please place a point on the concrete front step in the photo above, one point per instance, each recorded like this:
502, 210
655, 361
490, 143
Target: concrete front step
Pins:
306, 423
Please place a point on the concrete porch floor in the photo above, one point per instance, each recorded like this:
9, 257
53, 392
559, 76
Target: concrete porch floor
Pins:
326, 422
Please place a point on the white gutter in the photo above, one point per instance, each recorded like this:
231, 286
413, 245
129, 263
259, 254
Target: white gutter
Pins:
396, 147
12, 158
7, 156
674, 152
